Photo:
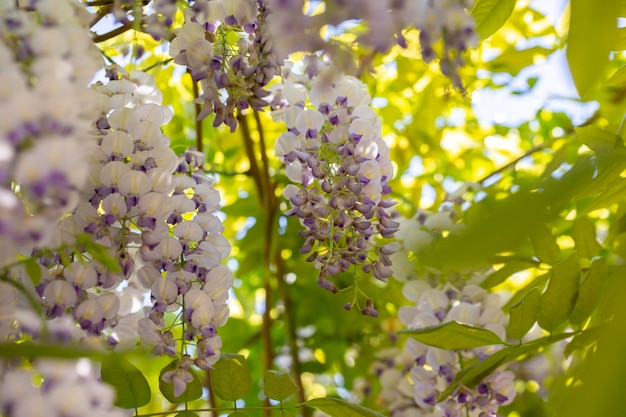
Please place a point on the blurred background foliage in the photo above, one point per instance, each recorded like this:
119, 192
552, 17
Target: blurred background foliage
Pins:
547, 185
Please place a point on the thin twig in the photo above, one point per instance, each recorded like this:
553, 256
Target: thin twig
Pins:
115, 32
98, 3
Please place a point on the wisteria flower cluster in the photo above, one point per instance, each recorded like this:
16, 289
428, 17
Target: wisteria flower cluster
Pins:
153, 213
225, 47
340, 167
414, 377
384, 23
159, 208
46, 60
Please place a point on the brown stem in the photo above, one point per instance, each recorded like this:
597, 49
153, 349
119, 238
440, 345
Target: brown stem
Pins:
212, 399
289, 320
100, 14
198, 109
267, 198
98, 3
249, 145
271, 197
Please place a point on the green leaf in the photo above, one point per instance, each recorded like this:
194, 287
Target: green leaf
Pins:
49, 350
539, 282
132, 389
559, 298
499, 276
490, 15
475, 373
589, 291
490, 230
99, 253
524, 314
231, 377
33, 269
454, 336
335, 407
614, 193
544, 243
618, 79
238, 414
592, 33
513, 61
599, 140
193, 391
278, 386
587, 338
584, 235
187, 413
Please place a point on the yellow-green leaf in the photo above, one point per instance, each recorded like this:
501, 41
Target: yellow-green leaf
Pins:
559, 298
544, 243
132, 389
503, 273
592, 33
335, 407
589, 292
231, 377
584, 235
490, 15
278, 385
523, 314
454, 336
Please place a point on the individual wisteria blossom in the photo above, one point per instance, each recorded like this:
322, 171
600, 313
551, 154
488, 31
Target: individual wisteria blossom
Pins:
340, 169
46, 61
71, 388
412, 378
232, 74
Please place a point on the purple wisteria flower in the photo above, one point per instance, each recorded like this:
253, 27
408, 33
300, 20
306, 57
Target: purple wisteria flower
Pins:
340, 167
232, 74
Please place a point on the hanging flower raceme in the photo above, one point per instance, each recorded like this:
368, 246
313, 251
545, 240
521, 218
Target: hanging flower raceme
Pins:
46, 61
339, 164
414, 377
153, 212
225, 47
